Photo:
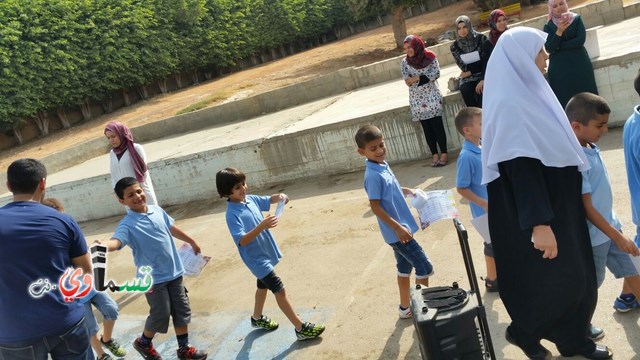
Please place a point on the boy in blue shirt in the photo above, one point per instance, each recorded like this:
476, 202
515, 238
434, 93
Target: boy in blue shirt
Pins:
631, 145
589, 115
149, 231
258, 249
396, 222
469, 185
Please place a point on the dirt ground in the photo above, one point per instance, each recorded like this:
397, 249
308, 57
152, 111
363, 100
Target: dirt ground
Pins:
358, 50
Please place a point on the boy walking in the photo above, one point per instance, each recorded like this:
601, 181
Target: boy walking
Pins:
149, 231
469, 185
396, 222
258, 249
631, 143
589, 114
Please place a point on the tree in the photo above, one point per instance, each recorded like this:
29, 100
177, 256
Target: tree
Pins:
363, 9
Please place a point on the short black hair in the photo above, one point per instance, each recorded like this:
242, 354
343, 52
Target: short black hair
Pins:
123, 184
228, 178
465, 117
24, 175
585, 106
636, 83
366, 134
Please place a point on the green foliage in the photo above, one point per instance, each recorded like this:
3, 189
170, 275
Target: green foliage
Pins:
60, 53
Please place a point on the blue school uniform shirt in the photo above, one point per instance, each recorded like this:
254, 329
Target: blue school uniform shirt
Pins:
381, 184
36, 242
469, 174
262, 254
595, 181
149, 237
631, 145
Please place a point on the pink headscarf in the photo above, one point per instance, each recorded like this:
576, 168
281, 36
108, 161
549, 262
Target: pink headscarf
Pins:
126, 143
422, 57
557, 19
494, 33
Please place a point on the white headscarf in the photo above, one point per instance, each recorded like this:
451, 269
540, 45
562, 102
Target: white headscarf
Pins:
521, 116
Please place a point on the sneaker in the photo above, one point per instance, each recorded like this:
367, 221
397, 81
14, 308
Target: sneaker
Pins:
190, 352
104, 356
114, 347
404, 314
264, 323
595, 333
148, 352
623, 306
309, 331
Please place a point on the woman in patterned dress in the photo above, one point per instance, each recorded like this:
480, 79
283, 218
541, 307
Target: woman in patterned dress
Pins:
420, 70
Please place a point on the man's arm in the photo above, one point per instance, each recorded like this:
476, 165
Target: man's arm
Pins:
83, 262
622, 242
403, 234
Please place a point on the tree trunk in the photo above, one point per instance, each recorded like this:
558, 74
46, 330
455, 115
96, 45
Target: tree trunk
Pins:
62, 115
42, 121
143, 92
85, 108
351, 29
178, 78
399, 26
194, 77
337, 32
107, 105
17, 133
125, 97
162, 84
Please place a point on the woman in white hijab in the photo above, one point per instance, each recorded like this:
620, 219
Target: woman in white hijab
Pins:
531, 164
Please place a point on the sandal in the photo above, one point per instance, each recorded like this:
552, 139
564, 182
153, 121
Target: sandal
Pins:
442, 162
490, 285
436, 161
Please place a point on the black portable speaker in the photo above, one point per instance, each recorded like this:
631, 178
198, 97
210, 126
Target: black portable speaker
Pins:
450, 322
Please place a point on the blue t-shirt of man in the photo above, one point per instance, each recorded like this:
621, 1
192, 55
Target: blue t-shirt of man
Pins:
149, 237
595, 181
469, 174
262, 254
381, 184
36, 242
631, 145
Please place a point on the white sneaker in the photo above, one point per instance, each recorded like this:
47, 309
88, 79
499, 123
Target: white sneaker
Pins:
404, 314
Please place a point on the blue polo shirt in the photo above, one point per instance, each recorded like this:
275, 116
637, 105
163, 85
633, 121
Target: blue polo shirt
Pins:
36, 242
149, 237
595, 181
469, 174
262, 254
381, 184
631, 145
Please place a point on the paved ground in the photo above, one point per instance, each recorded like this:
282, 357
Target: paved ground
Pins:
339, 272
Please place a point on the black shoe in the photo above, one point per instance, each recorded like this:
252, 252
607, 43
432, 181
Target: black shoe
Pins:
540, 354
600, 352
595, 333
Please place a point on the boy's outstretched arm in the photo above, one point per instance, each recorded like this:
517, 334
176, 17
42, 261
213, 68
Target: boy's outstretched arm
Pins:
111, 244
622, 242
179, 234
403, 234
471, 196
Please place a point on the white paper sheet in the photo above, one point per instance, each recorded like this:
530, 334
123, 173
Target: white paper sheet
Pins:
192, 262
481, 223
434, 206
470, 58
280, 208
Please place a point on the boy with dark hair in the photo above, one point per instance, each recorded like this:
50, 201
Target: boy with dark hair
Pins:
631, 145
468, 122
396, 222
149, 231
589, 115
258, 249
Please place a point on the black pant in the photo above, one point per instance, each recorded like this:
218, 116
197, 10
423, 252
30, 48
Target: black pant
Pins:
469, 94
434, 134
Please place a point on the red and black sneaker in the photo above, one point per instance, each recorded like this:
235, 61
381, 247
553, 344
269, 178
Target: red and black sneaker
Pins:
189, 352
147, 352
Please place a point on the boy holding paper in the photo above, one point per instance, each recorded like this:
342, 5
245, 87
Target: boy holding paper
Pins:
589, 115
469, 182
258, 249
